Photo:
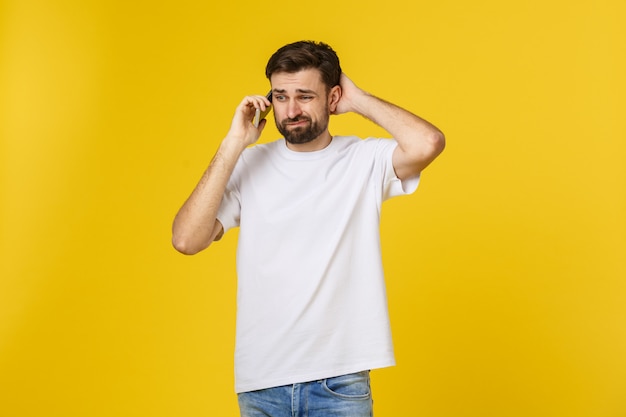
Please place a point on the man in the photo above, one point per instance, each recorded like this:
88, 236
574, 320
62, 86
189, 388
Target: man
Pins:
311, 306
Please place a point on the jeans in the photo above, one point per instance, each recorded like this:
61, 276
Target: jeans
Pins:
342, 396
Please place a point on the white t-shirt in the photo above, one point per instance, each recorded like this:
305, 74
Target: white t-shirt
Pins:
311, 300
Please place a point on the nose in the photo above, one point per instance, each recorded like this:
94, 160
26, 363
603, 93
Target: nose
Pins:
293, 109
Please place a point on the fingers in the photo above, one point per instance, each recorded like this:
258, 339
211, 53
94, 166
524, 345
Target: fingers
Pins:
251, 103
243, 125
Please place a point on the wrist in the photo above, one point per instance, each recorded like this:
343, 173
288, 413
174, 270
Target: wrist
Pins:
233, 145
363, 103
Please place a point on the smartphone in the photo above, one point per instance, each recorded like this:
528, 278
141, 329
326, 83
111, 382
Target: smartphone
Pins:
260, 115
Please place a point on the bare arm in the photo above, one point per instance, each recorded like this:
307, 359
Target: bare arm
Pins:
195, 225
419, 142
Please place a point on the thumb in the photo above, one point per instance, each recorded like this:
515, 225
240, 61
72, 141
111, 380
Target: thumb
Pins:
262, 124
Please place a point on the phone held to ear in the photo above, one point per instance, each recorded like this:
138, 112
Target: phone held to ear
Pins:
260, 115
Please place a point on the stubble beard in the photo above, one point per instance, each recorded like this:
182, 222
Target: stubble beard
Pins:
302, 134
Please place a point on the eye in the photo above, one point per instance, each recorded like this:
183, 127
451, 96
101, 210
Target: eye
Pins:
306, 98
279, 97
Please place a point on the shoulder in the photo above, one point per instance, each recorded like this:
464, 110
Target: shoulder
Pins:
261, 151
370, 145
268, 147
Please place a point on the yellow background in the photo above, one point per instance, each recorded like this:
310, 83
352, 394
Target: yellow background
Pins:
505, 270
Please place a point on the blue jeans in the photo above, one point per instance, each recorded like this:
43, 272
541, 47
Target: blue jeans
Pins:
342, 396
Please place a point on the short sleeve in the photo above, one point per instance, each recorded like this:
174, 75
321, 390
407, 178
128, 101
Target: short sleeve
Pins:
229, 211
392, 185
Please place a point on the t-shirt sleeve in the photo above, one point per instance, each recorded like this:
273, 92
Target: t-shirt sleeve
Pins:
392, 185
229, 211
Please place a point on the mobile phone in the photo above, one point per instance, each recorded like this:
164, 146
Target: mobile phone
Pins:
260, 115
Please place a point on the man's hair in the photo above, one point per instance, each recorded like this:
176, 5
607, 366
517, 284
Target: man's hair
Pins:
302, 55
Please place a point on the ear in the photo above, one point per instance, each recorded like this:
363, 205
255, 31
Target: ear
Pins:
333, 98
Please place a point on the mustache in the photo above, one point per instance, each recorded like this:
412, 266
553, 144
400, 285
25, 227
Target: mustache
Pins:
296, 119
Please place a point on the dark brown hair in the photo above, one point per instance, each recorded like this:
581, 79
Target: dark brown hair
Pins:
301, 55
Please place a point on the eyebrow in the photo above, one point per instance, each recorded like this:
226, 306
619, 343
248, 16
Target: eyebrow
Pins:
298, 90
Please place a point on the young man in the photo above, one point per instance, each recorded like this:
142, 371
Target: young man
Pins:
311, 306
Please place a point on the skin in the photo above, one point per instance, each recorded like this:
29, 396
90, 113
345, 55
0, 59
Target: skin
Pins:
302, 95
299, 99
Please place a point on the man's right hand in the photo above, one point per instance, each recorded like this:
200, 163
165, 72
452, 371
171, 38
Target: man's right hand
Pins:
241, 127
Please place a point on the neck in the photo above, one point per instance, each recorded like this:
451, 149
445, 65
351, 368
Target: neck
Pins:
316, 144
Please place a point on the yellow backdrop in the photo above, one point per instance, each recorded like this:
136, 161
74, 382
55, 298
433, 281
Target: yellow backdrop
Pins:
505, 271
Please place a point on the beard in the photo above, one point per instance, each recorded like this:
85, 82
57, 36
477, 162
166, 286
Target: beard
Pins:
302, 134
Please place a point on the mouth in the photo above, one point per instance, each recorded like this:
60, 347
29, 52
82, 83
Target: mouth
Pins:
297, 122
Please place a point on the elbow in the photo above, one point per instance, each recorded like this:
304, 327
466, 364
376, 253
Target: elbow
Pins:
431, 146
437, 142
185, 246
182, 247
190, 241
424, 149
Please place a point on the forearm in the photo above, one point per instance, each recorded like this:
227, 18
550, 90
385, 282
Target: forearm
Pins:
195, 225
408, 129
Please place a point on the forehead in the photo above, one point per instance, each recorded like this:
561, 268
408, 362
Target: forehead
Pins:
306, 79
